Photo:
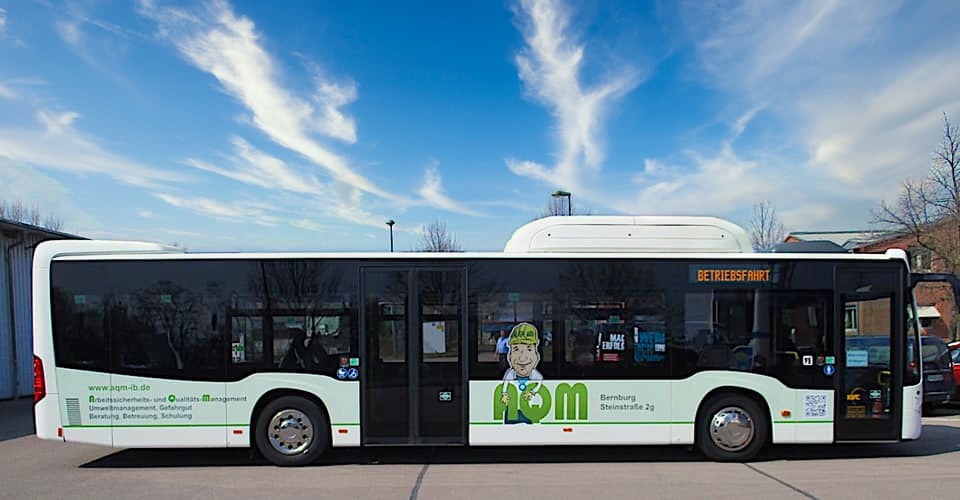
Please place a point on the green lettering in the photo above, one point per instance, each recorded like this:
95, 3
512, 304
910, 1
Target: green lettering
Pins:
571, 402
510, 408
536, 412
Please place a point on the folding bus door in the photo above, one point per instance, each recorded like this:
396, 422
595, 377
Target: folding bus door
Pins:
869, 372
413, 385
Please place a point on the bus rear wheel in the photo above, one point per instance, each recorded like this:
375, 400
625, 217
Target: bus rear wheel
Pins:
292, 431
732, 428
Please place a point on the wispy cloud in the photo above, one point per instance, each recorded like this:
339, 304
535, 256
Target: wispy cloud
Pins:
230, 212
7, 92
181, 232
102, 48
433, 193
252, 166
59, 145
718, 184
863, 104
228, 47
24, 183
550, 68
853, 95
3, 22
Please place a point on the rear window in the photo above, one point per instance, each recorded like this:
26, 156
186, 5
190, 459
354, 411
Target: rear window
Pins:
932, 349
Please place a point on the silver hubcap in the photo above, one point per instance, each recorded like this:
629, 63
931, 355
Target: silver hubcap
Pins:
290, 432
731, 428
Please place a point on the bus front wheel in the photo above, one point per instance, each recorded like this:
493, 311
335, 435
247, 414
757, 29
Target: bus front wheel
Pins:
732, 428
292, 431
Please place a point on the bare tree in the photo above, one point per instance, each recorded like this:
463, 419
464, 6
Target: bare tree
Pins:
558, 206
766, 228
928, 207
436, 238
16, 211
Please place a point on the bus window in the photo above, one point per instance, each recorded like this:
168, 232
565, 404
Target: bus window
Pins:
801, 335
725, 330
79, 299
498, 313
246, 339
615, 336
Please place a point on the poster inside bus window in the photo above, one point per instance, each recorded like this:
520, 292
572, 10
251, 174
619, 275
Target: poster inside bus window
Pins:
649, 339
611, 341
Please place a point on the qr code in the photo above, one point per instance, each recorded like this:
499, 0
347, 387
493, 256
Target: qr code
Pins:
814, 405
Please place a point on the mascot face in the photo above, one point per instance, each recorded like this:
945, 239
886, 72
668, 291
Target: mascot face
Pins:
524, 355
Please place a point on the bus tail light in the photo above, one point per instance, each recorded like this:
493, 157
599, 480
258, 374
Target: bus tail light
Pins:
39, 385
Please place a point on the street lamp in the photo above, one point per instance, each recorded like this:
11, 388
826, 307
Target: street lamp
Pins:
391, 222
565, 194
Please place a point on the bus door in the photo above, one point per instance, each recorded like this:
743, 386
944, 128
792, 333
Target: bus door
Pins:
413, 383
868, 376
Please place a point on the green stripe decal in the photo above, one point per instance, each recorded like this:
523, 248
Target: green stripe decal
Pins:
803, 421
346, 424
151, 425
679, 422
604, 422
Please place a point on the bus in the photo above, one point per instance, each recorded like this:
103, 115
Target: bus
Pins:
585, 330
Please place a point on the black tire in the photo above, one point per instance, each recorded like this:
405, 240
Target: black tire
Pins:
303, 427
742, 413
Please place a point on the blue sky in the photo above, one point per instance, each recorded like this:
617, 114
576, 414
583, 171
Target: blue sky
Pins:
304, 125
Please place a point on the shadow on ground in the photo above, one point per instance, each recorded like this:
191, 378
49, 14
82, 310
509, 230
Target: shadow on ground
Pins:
936, 440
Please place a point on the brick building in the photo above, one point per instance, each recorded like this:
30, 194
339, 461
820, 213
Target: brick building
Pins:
935, 301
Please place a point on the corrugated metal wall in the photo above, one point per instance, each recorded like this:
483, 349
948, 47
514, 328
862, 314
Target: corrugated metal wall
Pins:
16, 379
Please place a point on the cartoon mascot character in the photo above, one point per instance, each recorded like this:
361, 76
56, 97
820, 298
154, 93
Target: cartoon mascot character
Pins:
524, 355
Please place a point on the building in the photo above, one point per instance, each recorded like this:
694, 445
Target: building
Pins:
936, 304
848, 240
17, 242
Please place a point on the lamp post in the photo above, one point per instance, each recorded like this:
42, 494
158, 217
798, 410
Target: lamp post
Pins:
391, 222
565, 194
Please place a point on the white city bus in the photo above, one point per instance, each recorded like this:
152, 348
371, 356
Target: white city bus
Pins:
585, 330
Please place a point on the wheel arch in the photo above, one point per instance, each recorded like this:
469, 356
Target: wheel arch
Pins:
273, 394
736, 391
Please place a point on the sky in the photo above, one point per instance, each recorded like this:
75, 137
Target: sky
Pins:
305, 125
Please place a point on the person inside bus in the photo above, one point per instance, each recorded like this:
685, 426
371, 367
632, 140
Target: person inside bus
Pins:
503, 349
296, 356
584, 348
306, 352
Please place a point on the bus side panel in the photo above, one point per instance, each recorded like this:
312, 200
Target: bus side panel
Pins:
46, 411
156, 412
570, 412
341, 399
798, 415
912, 411
46, 417
85, 406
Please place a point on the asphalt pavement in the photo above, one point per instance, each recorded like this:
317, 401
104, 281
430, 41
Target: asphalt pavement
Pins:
919, 469
16, 418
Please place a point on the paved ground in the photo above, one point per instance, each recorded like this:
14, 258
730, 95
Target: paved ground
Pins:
16, 418
921, 469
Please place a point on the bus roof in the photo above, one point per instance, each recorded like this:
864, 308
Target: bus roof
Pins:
126, 250
572, 237
629, 234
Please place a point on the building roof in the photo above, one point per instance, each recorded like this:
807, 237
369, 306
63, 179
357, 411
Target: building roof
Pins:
10, 226
814, 246
848, 239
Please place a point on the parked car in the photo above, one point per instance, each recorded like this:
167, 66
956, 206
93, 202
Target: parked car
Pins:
939, 383
955, 357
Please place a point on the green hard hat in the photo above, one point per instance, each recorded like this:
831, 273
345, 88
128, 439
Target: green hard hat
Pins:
524, 333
